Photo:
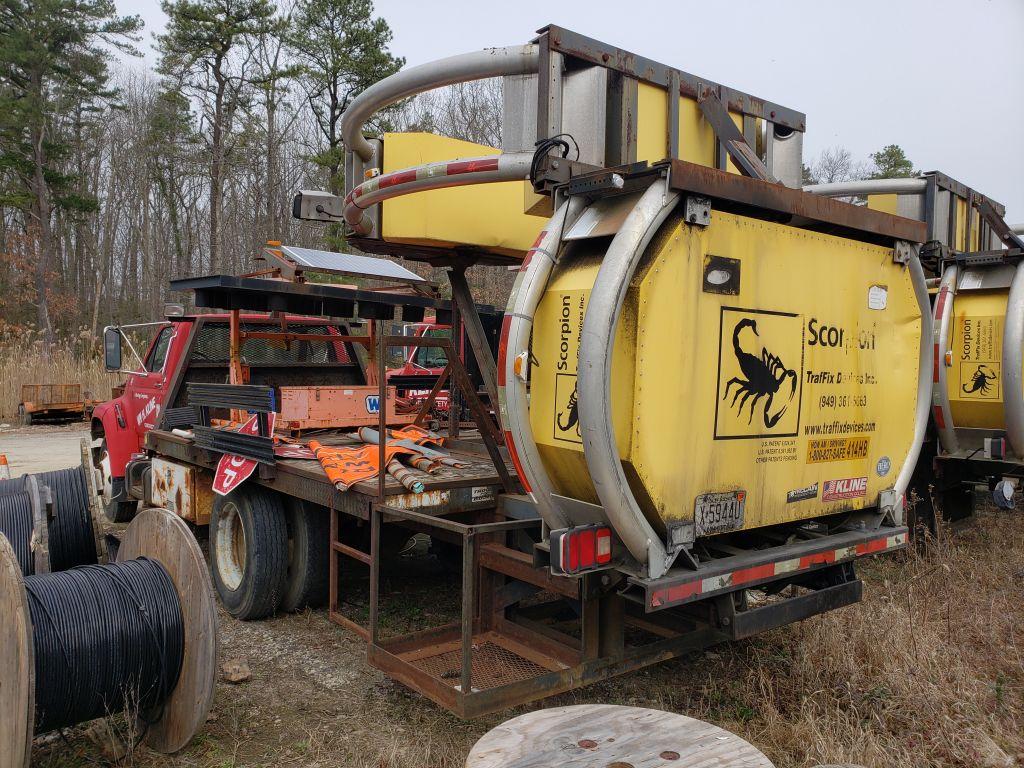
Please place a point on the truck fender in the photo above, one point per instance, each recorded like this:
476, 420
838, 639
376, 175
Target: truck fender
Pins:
109, 421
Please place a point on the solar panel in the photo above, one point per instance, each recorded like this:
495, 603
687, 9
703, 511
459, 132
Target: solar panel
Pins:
349, 264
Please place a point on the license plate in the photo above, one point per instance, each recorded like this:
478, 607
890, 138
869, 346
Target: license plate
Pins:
718, 512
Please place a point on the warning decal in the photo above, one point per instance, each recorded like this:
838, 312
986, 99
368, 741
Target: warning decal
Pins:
837, 449
977, 349
760, 374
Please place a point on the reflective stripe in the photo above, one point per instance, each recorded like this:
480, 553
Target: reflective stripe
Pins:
685, 592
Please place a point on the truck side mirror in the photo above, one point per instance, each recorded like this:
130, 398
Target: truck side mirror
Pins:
112, 349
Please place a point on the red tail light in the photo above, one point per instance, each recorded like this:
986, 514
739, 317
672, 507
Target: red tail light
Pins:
584, 548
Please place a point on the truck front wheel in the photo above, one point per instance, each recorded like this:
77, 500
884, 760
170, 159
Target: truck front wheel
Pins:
111, 487
249, 552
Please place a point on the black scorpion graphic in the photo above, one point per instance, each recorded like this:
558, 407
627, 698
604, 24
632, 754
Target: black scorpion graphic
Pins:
981, 380
764, 376
574, 415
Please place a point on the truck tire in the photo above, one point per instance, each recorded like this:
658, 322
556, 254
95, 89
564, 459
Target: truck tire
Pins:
116, 511
308, 553
249, 551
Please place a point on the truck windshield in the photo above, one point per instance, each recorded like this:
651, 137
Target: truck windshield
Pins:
432, 357
213, 345
158, 353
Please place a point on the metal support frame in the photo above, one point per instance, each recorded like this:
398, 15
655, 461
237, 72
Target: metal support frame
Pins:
377, 343
730, 139
463, 298
450, 665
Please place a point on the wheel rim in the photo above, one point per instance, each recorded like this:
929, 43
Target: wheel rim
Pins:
106, 478
231, 547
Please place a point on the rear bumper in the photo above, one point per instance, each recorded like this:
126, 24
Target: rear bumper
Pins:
751, 569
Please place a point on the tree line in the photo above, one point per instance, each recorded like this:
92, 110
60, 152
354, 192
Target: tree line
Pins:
115, 177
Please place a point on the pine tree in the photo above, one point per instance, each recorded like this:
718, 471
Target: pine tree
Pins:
343, 50
891, 162
200, 50
54, 62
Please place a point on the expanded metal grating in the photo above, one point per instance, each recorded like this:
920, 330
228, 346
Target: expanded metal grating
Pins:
493, 666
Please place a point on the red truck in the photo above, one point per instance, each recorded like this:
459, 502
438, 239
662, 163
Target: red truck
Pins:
195, 348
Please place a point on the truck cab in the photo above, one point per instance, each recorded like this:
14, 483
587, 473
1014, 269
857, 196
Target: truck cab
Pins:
195, 348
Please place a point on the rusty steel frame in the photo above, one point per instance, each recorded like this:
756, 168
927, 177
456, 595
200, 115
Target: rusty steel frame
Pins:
573, 44
377, 344
567, 663
753, 197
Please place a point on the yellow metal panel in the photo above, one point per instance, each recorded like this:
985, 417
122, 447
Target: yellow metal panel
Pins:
961, 223
696, 137
799, 391
651, 123
883, 203
974, 378
485, 215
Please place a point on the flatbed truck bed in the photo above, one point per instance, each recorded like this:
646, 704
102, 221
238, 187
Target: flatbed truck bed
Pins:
451, 490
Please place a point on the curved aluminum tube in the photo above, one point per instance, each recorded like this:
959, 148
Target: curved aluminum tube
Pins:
940, 330
515, 343
868, 187
594, 377
420, 178
924, 379
1013, 343
493, 62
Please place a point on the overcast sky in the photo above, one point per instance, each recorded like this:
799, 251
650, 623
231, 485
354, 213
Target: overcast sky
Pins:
944, 79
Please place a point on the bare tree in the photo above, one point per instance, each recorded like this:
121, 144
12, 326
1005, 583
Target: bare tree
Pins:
468, 111
836, 164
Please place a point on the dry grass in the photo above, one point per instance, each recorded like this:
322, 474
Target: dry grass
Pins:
74, 361
926, 671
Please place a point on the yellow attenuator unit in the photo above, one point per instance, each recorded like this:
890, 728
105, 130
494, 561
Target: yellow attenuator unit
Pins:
488, 216
797, 389
974, 376
506, 218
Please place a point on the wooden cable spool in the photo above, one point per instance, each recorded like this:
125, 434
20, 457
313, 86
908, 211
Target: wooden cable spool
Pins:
155, 534
589, 735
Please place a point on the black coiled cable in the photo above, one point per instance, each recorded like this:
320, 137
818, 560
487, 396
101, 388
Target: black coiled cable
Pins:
72, 541
16, 523
108, 638
14, 485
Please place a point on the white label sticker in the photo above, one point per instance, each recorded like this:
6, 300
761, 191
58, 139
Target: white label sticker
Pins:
878, 297
970, 281
482, 493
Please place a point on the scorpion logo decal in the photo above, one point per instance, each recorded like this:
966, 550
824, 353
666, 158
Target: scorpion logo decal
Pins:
764, 378
572, 419
981, 381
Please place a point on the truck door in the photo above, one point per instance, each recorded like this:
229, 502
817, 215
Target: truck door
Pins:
146, 389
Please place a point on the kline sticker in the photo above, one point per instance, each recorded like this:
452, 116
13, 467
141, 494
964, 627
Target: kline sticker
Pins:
847, 488
802, 494
760, 374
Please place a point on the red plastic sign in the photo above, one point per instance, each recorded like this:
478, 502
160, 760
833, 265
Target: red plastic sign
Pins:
233, 470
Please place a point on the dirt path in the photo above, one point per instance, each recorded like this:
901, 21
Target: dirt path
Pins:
42, 448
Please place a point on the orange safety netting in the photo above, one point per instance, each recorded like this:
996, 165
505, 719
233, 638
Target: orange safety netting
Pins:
347, 465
